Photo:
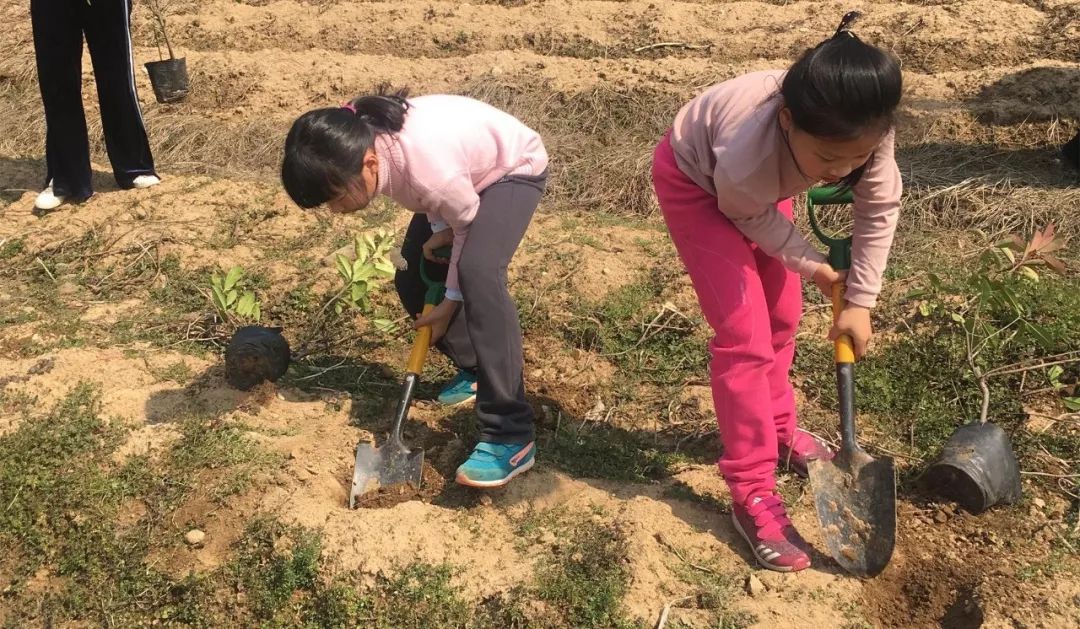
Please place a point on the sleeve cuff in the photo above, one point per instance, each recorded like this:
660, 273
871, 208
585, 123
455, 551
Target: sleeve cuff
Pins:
454, 294
860, 297
807, 266
439, 226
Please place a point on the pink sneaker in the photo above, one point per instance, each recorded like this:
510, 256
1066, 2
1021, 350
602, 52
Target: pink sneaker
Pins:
776, 544
804, 447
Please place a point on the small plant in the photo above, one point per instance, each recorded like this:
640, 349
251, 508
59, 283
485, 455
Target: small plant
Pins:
161, 9
991, 311
232, 296
361, 275
168, 77
1067, 391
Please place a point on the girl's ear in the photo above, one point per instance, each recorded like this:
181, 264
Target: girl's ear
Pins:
785, 119
371, 163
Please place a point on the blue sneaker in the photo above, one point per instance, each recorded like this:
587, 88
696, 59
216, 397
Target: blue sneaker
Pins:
495, 464
460, 390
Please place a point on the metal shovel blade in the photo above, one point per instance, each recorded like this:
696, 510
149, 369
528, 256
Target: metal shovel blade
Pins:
855, 496
391, 464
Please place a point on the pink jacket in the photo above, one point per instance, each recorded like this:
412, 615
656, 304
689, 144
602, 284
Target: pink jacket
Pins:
728, 141
450, 149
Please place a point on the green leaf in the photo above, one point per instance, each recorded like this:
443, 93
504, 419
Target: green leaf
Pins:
230, 298
358, 291
365, 273
219, 298
1054, 376
1072, 403
387, 326
957, 317
247, 307
1008, 254
234, 276
385, 267
344, 268
339, 307
1029, 273
925, 308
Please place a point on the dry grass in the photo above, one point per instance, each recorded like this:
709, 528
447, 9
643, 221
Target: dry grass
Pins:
959, 171
182, 143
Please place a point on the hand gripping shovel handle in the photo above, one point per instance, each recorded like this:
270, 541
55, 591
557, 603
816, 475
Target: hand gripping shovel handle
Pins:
436, 291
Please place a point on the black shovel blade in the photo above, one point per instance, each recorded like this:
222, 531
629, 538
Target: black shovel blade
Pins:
855, 496
391, 464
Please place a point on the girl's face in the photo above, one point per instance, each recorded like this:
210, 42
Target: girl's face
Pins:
361, 190
825, 160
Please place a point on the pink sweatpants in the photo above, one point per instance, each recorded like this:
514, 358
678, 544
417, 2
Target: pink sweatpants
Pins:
753, 304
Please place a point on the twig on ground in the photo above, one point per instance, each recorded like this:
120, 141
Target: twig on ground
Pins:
673, 44
1048, 474
666, 544
667, 610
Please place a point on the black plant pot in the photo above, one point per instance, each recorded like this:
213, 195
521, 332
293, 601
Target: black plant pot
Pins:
169, 79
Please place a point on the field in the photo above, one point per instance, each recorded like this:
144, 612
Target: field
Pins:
119, 436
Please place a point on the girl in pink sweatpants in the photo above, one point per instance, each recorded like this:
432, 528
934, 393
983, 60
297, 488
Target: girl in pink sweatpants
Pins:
724, 176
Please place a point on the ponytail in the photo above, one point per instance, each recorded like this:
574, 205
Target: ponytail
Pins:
325, 148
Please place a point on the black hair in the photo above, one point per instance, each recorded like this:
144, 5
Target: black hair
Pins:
325, 148
843, 87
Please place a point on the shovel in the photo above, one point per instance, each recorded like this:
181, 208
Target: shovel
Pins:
855, 494
394, 463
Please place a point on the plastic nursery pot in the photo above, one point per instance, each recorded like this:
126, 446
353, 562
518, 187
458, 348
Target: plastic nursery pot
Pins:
977, 469
256, 354
169, 79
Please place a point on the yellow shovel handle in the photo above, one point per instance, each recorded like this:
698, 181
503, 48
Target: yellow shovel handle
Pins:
420, 345
844, 351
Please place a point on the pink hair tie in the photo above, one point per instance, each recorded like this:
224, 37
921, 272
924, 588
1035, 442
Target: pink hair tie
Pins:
350, 107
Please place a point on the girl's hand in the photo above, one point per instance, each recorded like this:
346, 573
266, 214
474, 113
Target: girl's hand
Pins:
825, 276
437, 241
855, 322
439, 318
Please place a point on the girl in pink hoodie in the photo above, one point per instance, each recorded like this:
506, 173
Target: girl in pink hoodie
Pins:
724, 176
474, 176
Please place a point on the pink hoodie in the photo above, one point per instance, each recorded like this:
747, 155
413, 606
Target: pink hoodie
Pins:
728, 141
450, 149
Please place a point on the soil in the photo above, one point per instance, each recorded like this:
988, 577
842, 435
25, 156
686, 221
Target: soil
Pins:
431, 485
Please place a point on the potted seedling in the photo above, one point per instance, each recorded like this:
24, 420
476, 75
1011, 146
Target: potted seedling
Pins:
168, 77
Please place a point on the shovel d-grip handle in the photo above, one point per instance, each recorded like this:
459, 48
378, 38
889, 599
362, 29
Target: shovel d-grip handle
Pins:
436, 290
839, 248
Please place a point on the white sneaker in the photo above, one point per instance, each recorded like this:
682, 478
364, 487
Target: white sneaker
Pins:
145, 181
46, 200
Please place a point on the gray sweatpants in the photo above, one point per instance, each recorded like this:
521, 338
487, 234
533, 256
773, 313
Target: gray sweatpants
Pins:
485, 334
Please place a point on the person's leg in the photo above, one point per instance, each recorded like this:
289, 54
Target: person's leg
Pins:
505, 417
783, 294
57, 26
108, 36
723, 269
